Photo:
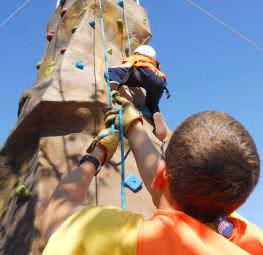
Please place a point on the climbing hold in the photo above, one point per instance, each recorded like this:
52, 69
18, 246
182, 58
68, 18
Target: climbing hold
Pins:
109, 50
63, 11
120, 3
79, 64
50, 70
115, 94
127, 51
22, 192
120, 22
62, 2
50, 35
62, 51
38, 64
132, 182
92, 23
74, 29
145, 21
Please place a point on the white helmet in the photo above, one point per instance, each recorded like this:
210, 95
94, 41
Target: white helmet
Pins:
146, 50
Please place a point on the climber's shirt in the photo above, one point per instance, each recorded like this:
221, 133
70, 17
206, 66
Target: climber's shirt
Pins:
145, 62
111, 231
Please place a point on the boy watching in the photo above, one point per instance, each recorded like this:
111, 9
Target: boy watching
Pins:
211, 166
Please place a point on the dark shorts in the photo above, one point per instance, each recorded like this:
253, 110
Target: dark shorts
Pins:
152, 83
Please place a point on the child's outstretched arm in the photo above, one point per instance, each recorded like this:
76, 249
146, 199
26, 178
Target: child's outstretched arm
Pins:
146, 155
71, 192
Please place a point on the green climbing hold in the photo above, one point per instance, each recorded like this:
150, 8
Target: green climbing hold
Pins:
22, 192
145, 21
120, 22
73, 30
115, 94
50, 70
109, 50
38, 64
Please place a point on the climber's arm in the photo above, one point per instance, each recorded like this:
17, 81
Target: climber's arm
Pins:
147, 157
70, 194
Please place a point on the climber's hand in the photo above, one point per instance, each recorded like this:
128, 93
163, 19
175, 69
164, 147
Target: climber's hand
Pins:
107, 140
130, 114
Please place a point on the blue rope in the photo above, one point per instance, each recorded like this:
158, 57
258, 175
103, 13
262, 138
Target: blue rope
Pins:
105, 55
119, 163
123, 202
127, 29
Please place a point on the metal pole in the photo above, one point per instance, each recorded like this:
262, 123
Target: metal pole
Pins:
57, 3
138, 2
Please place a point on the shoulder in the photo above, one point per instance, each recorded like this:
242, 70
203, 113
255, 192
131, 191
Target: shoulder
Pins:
92, 226
247, 235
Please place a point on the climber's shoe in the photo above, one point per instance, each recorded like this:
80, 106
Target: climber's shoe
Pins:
160, 129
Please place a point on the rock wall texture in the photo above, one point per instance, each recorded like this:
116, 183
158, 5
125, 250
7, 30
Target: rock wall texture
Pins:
60, 115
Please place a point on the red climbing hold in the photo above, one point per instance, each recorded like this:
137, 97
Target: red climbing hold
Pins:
62, 51
50, 35
63, 11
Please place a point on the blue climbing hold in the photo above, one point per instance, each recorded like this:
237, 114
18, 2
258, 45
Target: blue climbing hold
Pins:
79, 64
120, 3
62, 2
92, 23
133, 183
127, 51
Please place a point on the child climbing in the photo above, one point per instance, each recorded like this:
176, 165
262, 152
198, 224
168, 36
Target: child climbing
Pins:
143, 70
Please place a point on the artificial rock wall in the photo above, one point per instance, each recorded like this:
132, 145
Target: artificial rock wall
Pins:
60, 115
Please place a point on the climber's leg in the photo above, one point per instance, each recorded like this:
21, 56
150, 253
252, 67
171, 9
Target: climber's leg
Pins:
153, 97
116, 75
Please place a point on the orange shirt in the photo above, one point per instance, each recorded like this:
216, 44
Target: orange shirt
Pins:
146, 62
108, 230
173, 232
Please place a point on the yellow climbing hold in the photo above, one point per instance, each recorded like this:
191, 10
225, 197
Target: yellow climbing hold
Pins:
145, 21
109, 50
120, 22
50, 70
22, 192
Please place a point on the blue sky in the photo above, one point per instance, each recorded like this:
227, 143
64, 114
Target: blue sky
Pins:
208, 66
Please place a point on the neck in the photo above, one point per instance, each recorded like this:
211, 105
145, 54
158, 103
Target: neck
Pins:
166, 202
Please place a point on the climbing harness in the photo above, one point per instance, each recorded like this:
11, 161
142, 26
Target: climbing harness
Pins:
133, 70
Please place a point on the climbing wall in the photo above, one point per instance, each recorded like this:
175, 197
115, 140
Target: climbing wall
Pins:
60, 115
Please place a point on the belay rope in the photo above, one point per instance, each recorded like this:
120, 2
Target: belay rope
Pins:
120, 112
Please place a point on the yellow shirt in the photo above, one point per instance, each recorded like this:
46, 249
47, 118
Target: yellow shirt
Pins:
96, 231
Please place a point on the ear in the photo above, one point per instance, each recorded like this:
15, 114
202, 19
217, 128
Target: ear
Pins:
160, 179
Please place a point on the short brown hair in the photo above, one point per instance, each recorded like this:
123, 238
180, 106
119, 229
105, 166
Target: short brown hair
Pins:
212, 165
